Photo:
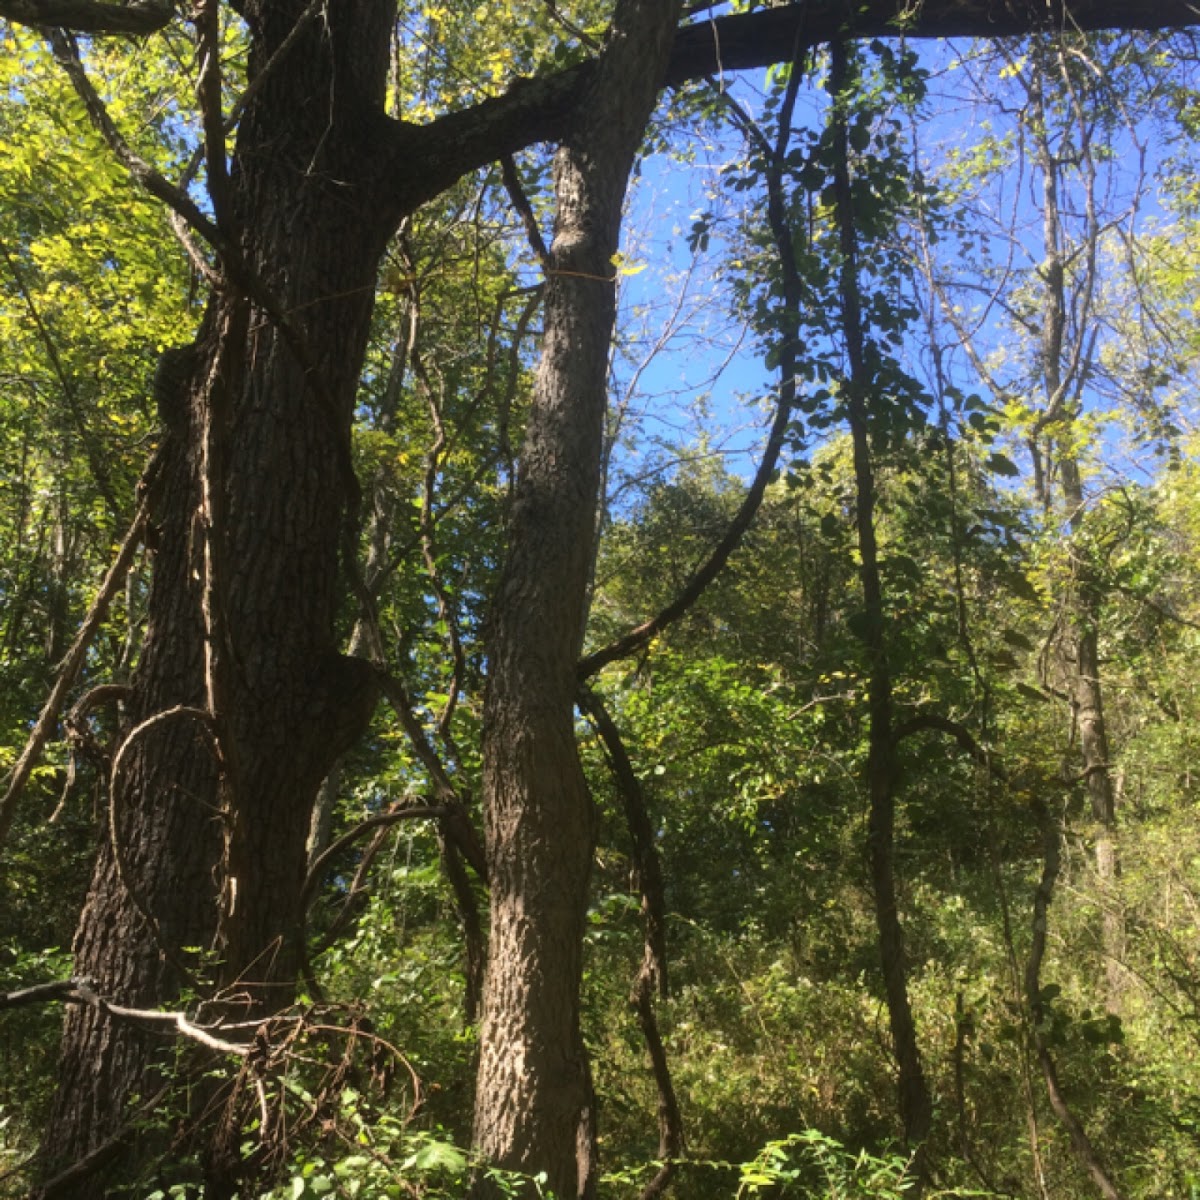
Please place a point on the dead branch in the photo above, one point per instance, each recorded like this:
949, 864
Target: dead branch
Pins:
83, 991
73, 663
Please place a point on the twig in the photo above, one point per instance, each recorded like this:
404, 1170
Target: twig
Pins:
520, 201
397, 814
73, 663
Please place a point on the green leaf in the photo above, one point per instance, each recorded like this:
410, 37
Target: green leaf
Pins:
1002, 465
440, 1156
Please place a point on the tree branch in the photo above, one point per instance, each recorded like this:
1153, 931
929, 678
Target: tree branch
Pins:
178, 201
789, 347
74, 661
89, 16
82, 991
960, 733
455, 823
540, 109
759, 39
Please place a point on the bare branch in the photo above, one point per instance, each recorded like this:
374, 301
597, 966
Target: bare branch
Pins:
82, 991
73, 663
38, 993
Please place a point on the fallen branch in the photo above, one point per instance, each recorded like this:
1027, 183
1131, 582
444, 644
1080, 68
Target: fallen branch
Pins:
82, 991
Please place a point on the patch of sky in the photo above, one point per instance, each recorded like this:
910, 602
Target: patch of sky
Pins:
689, 377
689, 381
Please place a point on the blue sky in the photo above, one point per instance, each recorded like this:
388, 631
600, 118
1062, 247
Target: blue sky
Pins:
686, 371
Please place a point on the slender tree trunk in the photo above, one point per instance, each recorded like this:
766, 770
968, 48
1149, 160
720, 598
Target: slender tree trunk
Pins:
1087, 1155
534, 1110
1087, 701
916, 1109
1064, 370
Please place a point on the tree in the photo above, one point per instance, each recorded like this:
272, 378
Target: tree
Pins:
534, 1108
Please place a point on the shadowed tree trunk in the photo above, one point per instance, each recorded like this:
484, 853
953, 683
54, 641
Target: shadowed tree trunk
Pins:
534, 1109
103, 1063
214, 856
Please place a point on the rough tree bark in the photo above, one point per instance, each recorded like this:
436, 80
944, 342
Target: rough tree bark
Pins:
534, 1109
311, 229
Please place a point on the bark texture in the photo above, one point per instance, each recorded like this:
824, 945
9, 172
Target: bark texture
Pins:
207, 850
165, 835
534, 1106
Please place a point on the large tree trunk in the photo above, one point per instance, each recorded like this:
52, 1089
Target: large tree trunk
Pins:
169, 844
215, 857
534, 1105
